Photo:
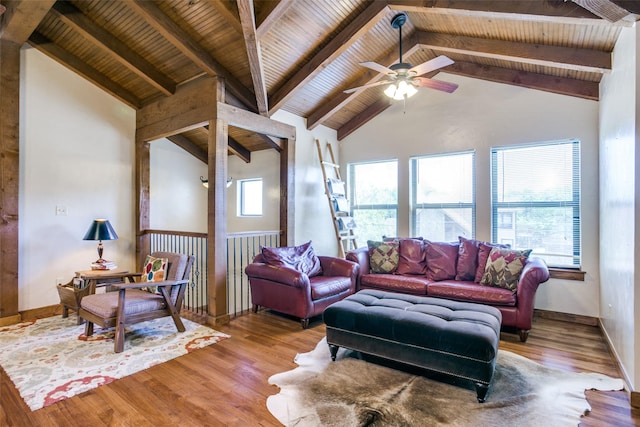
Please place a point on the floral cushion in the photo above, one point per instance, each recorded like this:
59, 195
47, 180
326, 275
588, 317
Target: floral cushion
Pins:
383, 256
484, 249
504, 267
154, 270
301, 258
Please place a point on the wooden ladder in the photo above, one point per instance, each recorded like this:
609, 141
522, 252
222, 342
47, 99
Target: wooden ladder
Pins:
343, 224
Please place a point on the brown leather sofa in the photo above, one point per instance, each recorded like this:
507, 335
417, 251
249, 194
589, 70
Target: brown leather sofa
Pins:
289, 289
444, 278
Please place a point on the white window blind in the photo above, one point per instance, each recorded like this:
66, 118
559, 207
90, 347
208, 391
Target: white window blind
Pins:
443, 196
535, 200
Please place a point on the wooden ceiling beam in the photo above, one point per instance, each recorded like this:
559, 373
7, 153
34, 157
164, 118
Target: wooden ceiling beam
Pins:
252, 44
224, 9
363, 117
332, 50
172, 32
88, 29
236, 148
255, 123
74, 63
544, 82
559, 12
567, 58
608, 10
337, 101
21, 18
270, 14
190, 147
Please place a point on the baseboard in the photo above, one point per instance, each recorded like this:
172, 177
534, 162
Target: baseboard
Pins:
567, 317
635, 399
10, 320
219, 320
42, 312
634, 396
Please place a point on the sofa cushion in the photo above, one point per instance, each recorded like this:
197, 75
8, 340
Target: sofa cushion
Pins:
504, 267
441, 260
301, 258
471, 292
416, 285
327, 286
467, 259
412, 257
483, 254
383, 256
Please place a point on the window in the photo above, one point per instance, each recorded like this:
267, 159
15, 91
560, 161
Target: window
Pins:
250, 197
443, 196
535, 200
373, 193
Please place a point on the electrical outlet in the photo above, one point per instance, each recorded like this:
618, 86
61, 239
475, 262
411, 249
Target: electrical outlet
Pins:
61, 210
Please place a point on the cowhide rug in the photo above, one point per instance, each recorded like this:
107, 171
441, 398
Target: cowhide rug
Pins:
353, 392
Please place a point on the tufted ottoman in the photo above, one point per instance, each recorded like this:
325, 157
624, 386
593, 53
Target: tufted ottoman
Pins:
450, 337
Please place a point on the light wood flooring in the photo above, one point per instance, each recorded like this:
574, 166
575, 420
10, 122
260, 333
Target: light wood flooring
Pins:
225, 384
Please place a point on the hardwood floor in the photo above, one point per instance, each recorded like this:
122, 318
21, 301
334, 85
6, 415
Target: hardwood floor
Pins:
225, 384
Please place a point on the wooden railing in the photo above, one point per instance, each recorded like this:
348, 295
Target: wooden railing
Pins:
241, 249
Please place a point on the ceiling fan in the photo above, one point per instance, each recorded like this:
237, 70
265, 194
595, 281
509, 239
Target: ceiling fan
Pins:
403, 78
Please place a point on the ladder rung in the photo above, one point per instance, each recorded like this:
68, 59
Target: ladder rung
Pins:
347, 237
333, 165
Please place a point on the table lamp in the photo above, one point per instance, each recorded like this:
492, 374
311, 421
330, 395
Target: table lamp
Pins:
100, 230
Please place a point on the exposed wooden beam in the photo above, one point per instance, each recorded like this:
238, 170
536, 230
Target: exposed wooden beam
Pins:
587, 60
192, 106
270, 14
560, 85
21, 18
559, 12
230, 16
607, 10
88, 29
236, 148
75, 64
190, 147
360, 119
252, 44
183, 41
255, 123
334, 103
336, 47
232, 100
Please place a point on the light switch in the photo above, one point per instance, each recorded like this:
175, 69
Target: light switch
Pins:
61, 210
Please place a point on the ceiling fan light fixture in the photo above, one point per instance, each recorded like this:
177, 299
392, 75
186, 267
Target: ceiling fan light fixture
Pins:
400, 89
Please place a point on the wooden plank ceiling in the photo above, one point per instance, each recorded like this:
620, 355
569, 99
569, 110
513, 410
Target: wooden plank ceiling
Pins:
300, 55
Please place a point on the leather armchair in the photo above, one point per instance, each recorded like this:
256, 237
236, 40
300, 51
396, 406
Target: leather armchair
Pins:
292, 292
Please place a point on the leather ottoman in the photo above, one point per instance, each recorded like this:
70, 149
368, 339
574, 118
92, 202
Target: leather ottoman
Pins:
450, 337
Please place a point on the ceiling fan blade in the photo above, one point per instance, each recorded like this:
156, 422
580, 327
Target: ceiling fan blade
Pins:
431, 65
354, 89
377, 67
435, 84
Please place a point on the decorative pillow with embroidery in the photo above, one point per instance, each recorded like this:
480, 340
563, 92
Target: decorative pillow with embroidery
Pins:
504, 267
155, 270
301, 258
484, 249
383, 256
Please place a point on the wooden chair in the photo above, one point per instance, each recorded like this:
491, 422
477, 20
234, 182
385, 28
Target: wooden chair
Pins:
129, 304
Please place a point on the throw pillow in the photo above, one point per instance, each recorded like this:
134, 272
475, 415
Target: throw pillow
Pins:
441, 260
467, 259
412, 258
301, 258
155, 270
383, 256
504, 267
483, 254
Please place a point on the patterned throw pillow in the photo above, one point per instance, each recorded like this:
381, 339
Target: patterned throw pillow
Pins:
155, 270
383, 256
504, 267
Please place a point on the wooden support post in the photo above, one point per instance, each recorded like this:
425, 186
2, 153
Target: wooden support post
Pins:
9, 182
287, 192
217, 216
143, 181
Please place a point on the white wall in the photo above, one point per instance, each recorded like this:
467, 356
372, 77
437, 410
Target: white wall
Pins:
480, 115
76, 152
619, 94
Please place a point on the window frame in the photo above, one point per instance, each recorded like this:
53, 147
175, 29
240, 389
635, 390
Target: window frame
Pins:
413, 188
576, 178
241, 197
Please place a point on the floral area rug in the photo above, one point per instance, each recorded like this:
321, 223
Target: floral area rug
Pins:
51, 359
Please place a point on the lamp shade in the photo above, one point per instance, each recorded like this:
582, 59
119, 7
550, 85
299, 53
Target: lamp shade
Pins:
100, 229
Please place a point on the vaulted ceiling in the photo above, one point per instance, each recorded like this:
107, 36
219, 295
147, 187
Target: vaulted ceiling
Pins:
300, 55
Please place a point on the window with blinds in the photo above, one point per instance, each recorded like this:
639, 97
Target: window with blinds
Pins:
443, 196
373, 193
535, 200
